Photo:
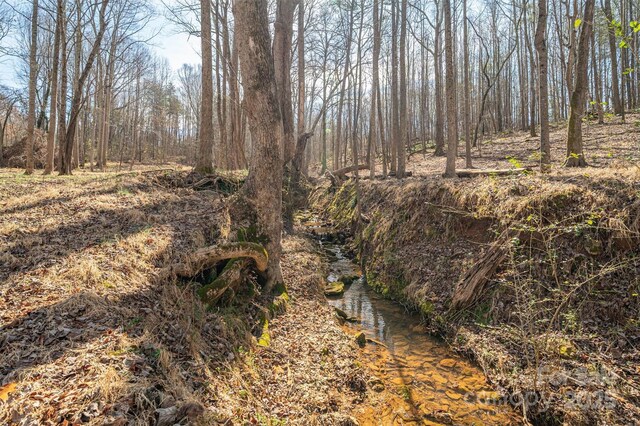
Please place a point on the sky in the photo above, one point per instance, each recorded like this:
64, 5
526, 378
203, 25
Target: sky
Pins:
177, 47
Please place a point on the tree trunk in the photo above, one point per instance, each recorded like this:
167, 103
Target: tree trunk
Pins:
204, 163
467, 89
282, 44
615, 84
374, 92
543, 85
452, 142
403, 116
76, 101
575, 156
33, 76
263, 188
48, 168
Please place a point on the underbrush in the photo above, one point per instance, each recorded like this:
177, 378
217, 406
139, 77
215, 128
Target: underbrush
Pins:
558, 322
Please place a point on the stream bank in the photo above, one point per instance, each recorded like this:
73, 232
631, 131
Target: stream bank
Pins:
555, 323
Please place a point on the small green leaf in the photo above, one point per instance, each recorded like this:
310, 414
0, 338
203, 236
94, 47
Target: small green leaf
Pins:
577, 23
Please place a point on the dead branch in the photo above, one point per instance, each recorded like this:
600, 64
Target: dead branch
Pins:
469, 173
472, 284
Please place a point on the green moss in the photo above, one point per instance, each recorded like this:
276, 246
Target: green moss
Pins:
334, 289
251, 234
426, 308
265, 337
343, 204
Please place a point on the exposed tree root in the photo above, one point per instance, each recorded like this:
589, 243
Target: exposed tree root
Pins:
207, 257
473, 282
230, 279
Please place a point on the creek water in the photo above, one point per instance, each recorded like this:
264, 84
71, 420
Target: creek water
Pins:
424, 381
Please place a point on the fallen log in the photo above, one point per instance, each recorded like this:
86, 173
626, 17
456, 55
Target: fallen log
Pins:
468, 173
343, 171
207, 257
472, 284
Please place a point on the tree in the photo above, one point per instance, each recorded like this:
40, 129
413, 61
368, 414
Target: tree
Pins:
452, 142
48, 168
263, 188
618, 107
575, 156
467, 89
76, 100
543, 85
33, 75
205, 153
374, 91
403, 115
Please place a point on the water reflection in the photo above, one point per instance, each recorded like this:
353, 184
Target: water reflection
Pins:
429, 383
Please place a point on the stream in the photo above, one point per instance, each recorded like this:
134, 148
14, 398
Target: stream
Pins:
424, 381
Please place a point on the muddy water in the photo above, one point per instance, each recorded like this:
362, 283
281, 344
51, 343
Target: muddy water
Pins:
424, 381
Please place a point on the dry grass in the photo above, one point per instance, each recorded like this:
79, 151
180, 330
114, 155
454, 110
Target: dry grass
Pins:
88, 334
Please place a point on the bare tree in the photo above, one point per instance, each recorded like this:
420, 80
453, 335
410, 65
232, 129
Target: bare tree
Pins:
263, 188
543, 85
48, 168
205, 154
33, 75
575, 156
452, 124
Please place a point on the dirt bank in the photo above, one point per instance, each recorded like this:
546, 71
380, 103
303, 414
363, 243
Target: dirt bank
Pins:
556, 321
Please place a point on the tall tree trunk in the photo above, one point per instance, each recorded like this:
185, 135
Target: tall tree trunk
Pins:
62, 100
76, 100
613, 47
263, 188
204, 162
403, 116
575, 156
33, 76
543, 85
374, 91
395, 119
467, 89
51, 135
282, 44
452, 143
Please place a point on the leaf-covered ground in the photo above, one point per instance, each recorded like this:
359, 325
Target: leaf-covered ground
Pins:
89, 335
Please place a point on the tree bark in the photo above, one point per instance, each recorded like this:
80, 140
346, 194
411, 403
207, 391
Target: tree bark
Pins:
33, 75
543, 85
282, 45
615, 84
403, 115
263, 188
205, 149
452, 142
575, 156
48, 168
467, 89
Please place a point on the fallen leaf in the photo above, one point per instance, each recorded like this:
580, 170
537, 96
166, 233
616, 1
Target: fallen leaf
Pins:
6, 390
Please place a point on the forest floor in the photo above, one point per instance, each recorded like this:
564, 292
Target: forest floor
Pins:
614, 144
90, 335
